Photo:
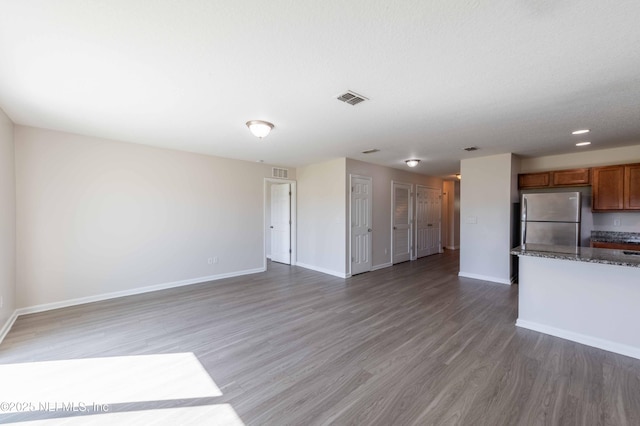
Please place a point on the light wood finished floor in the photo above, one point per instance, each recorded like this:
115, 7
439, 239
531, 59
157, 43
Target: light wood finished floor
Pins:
409, 345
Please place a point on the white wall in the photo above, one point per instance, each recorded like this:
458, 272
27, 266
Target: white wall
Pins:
629, 221
487, 194
321, 217
381, 202
7, 221
96, 216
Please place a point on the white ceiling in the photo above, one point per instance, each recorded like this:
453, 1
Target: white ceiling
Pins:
504, 75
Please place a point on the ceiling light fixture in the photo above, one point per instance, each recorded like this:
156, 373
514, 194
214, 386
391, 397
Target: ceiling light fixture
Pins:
458, 176
583, 143
413, 162
580, 132
259, 128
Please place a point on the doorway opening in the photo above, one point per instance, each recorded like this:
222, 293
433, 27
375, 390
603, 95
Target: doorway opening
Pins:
280, 221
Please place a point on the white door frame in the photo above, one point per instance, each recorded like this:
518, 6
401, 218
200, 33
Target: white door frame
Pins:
351, 176
294, 221
411, 216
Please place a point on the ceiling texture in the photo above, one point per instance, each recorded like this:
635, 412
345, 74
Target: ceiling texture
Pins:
441, 75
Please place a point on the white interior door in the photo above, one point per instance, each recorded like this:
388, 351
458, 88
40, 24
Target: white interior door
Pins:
361, 230
401, 226
422, 222
281, 223
434, 218
428, 204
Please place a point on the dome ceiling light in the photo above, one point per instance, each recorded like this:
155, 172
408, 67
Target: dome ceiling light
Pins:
259, 128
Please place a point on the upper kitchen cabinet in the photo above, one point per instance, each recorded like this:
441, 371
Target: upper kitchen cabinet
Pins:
616, 188
575, 177
632, 187
534, 180
555, 179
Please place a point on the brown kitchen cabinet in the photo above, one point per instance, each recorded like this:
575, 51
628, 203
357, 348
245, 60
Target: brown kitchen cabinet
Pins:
632, 187
616, 188
615, 246
534, 180
555, 179
608, 188
574, 177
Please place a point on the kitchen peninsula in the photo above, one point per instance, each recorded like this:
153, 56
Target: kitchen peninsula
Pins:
587, 295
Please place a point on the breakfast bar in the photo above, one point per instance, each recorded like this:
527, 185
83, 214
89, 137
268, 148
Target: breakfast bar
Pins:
587, 295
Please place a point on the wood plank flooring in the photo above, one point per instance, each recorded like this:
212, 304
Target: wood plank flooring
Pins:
409, 345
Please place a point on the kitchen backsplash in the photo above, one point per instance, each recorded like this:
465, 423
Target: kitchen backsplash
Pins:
617, 222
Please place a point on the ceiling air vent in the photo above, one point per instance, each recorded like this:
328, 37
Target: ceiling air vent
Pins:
352, 98
279, 173
471, 148
371, 151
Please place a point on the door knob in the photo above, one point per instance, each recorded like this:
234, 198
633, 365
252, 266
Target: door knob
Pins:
369, 230
271, 227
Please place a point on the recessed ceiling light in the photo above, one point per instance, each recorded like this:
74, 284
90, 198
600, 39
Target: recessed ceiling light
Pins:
583, 143
580, 132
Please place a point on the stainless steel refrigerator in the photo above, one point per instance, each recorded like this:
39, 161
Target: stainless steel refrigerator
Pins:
551, 218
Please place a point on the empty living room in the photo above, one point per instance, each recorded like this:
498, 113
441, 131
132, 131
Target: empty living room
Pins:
303, 213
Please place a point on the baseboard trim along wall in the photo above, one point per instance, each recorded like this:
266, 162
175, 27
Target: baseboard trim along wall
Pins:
7, 326
595, 342
131, 292
484, 278
323, 270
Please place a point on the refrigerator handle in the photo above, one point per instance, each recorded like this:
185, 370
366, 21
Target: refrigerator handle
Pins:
524, 222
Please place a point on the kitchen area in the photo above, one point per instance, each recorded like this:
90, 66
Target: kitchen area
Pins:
579, 255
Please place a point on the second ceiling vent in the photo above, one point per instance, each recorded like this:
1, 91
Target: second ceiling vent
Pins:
352, 98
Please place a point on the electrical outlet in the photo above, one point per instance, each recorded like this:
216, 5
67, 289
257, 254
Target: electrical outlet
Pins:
215, 260
210, 260
616, 222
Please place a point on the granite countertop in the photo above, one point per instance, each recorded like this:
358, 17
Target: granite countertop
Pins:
580, 254
616, 237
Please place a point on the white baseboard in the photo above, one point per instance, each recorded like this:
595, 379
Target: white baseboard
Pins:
381, 266
7, 325
484, 278
607, 345
131, 292
323, 270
